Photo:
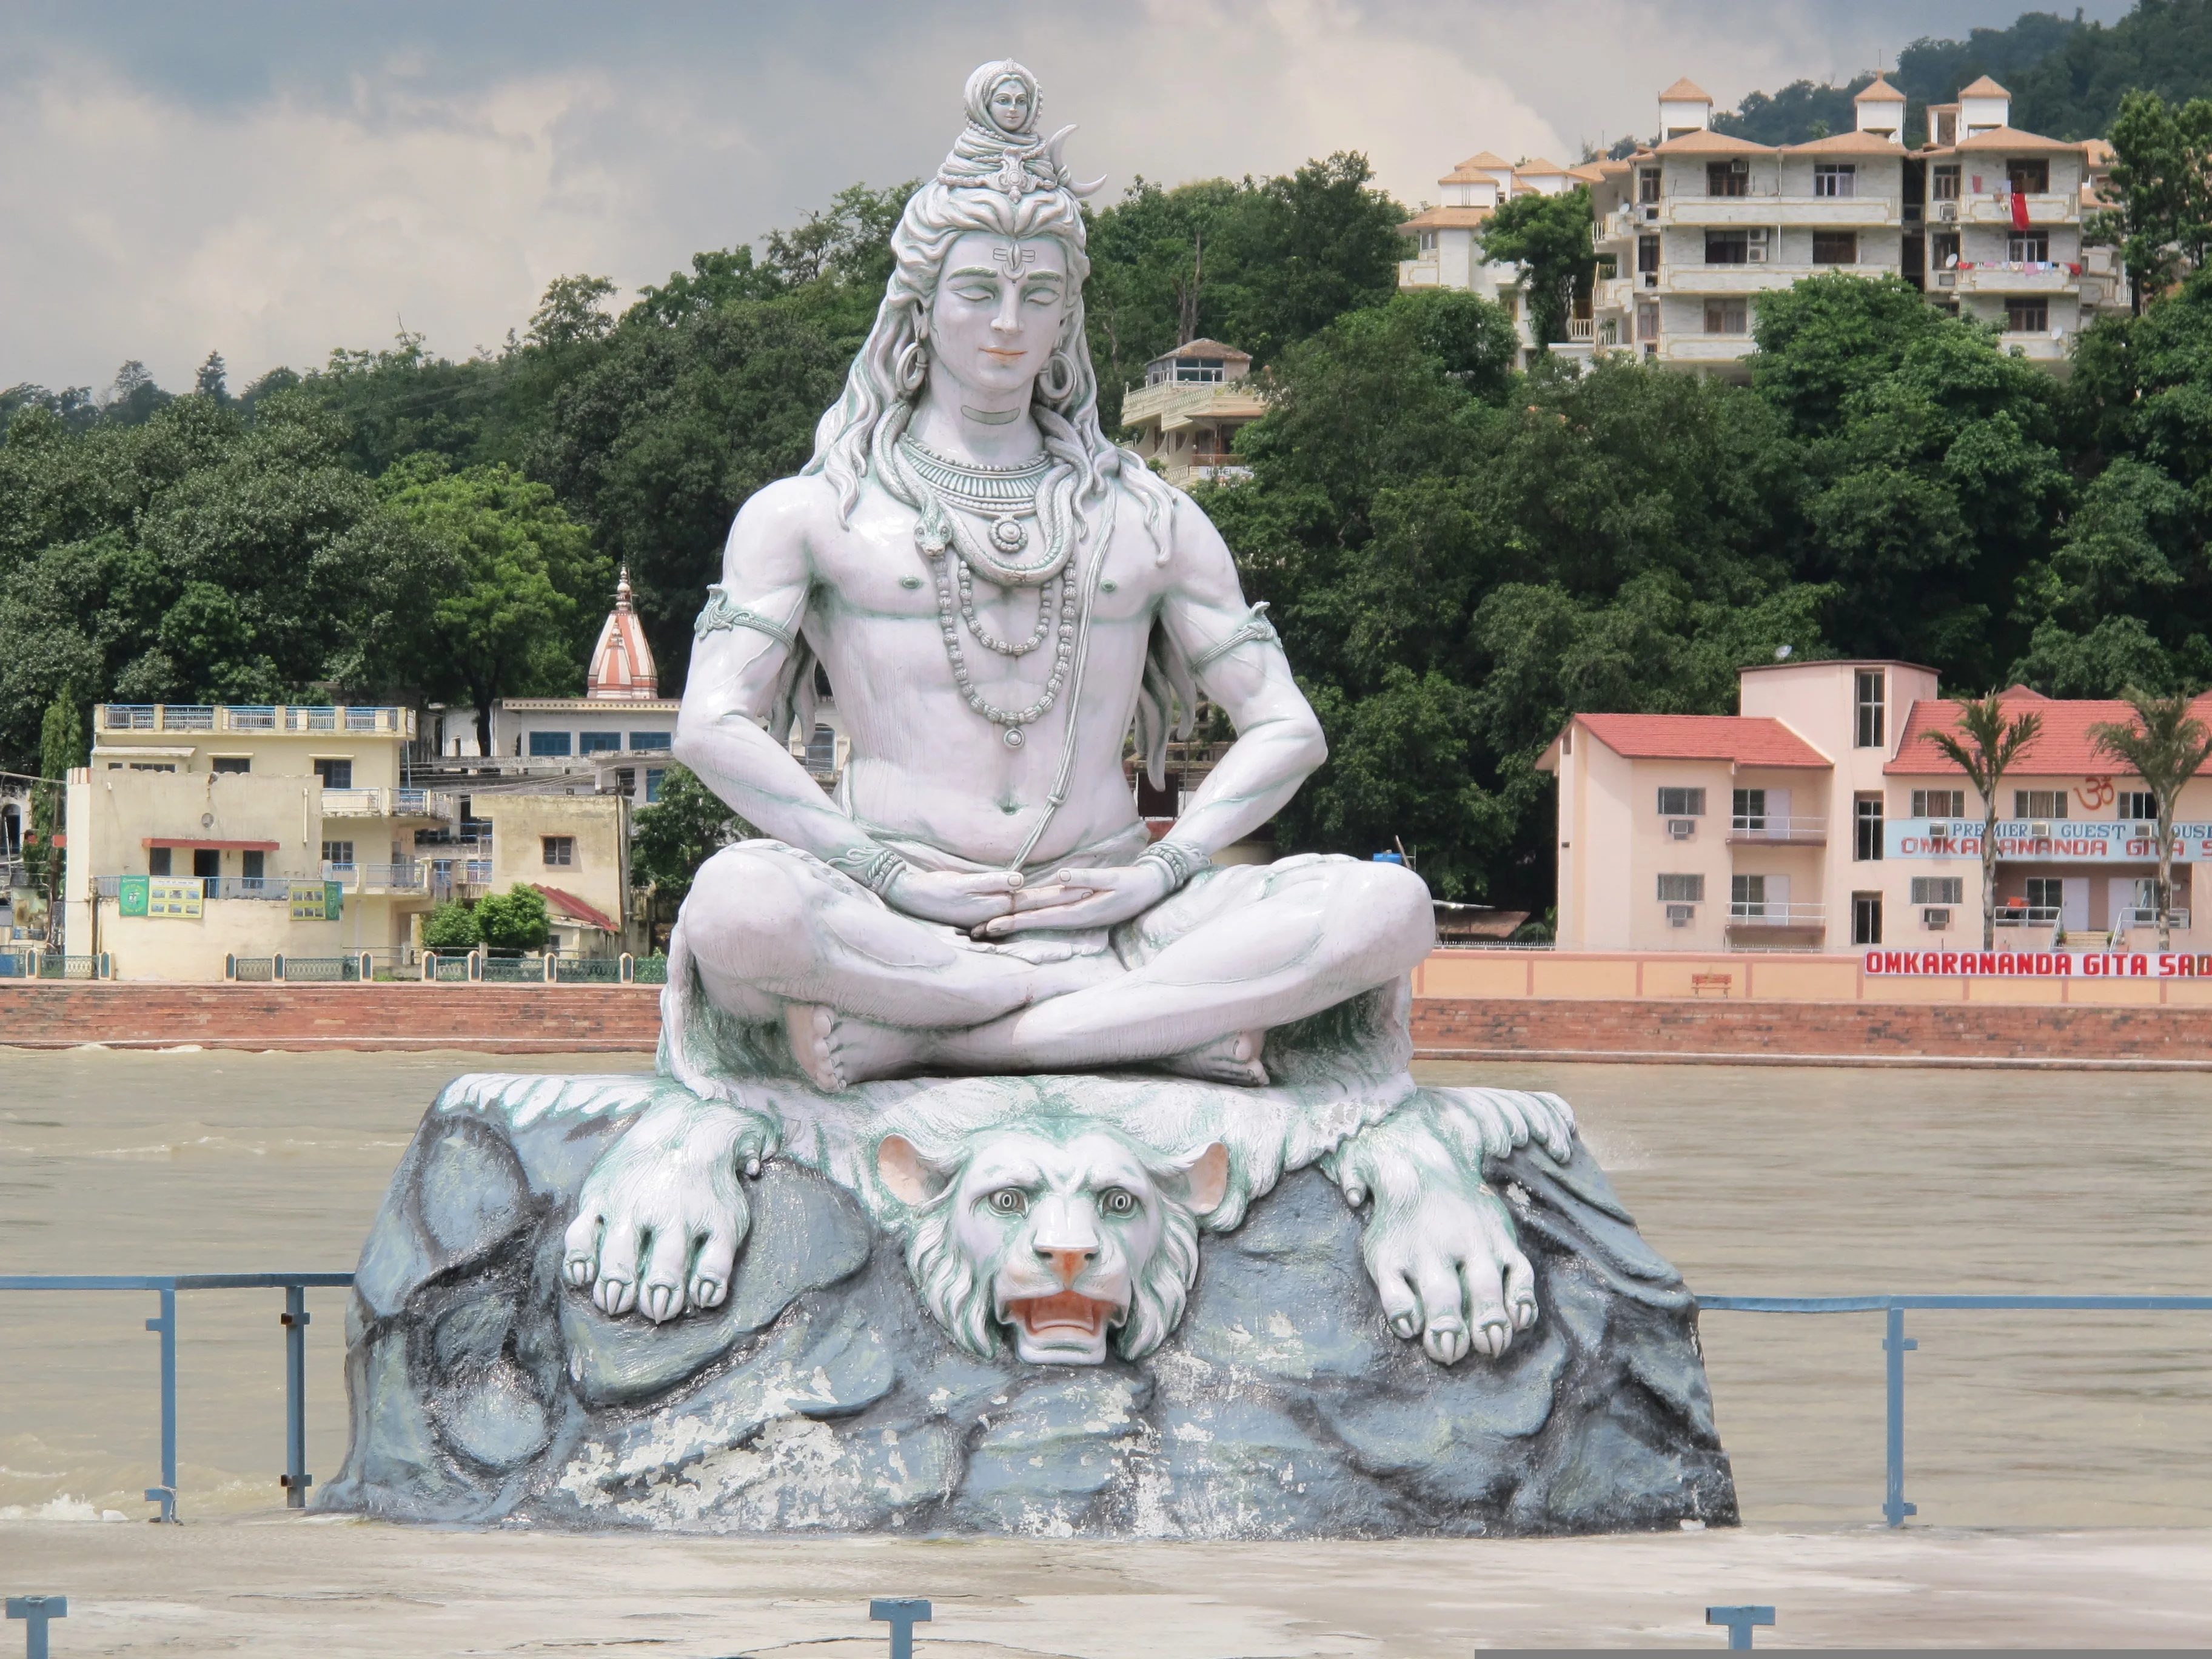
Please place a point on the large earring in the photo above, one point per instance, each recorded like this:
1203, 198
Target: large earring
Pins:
912, 368
1057, 382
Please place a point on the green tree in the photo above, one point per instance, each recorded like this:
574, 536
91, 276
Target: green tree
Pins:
1549, 237
1990, 747
673, 837
451, 927
2164, 745
514, 920
509, 616
61, 747
572, 312
2162, 172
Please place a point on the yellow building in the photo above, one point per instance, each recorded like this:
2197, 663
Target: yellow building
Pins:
575, 849
1188, 412
198, 834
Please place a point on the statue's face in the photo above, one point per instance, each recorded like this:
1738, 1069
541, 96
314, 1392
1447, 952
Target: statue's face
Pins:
1009, 105
999, 311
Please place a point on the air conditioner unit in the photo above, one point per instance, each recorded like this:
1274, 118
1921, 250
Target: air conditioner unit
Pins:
1947, 279
1937, 918
1947, 210
1650, 279
1755, 254
1740, 164
1680, 916
2143, 830
2040, 831
1681, 828
1756, 236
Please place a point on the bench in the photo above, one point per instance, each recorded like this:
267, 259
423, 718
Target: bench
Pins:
1701, 983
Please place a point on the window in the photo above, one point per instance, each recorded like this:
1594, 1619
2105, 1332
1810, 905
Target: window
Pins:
1938, 804
1428, 241
1747, 895
1727, 178
1681, 889
1681, 803
339, 853
1870, 699
1866, 917
650, 742
2026, 244
1947, 127
1201, 370
1750, 809
231, 764
601, 743
822, 749
2038, 803
1943, 183
207, 863
2028, 177
2138, 804
549, 745
2026, 316
1835, 178
1727, 317
1647, 185
1647, 319
1943, 250
1727, 247
253, 865
1835, 247
157, 860
1647, 255
1866, 828
654, 775
2046, 893
1939, 889
335, 774
559, 851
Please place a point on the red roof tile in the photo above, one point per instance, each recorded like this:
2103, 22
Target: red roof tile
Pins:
1747, 740
568, 905
2063, 749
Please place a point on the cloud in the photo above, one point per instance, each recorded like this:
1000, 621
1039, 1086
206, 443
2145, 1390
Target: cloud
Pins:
275, 180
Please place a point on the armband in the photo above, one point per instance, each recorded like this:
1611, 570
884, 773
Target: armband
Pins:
721, 611
1180, 863
1256, 626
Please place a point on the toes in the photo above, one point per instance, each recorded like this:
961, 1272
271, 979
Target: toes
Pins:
616, 1292
581, 1262
661, 1292
1492, 1337
1445, 1340
717, 1254
1520, 1290
1400, 1307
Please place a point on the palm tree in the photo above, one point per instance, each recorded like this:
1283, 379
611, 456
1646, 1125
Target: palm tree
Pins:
2163, 746
1992, 745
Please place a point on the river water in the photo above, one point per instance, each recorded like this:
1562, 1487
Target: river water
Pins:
1751, 1179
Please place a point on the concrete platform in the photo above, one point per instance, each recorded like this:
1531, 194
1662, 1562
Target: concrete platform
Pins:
286, 1585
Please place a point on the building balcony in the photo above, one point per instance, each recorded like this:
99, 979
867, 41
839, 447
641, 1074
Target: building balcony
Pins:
252, 719
1747, 914
2018, 277
431, 805
1411, 273
1815, 212
1704, 348
394, 878
1995, 208
1768, 830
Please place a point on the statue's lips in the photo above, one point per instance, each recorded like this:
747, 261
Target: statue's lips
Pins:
1070, 1311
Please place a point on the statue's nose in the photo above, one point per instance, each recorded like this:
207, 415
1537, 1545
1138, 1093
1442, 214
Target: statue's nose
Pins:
1068, 1263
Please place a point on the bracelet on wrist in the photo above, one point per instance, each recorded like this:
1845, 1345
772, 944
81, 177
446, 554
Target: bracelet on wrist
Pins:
874, 867
1180, 863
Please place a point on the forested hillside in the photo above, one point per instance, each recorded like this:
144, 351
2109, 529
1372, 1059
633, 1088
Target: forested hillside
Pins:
1458, 553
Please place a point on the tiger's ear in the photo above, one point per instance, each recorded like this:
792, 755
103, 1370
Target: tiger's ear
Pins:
1207, 1178
911, 1177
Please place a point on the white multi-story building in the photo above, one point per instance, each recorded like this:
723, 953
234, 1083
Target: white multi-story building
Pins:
1448, 238
1983, 218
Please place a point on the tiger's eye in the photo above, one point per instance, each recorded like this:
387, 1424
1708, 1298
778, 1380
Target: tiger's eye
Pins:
1118, 1201
1009, 1200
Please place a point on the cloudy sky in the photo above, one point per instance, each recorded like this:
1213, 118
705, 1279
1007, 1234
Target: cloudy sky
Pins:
274, 179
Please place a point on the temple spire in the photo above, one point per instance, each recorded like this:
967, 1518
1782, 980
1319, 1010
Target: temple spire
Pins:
622, 663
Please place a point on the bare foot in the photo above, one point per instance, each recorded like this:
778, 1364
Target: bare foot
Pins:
837, 1051
1233, 1059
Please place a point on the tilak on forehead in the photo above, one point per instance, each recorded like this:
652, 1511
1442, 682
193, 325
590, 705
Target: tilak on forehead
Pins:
1013, 256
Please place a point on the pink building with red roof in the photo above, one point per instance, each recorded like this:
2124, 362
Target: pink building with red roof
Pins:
1822, 818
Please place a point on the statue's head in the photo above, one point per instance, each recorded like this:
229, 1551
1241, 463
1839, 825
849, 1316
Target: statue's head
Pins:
987, 289
1068, 1234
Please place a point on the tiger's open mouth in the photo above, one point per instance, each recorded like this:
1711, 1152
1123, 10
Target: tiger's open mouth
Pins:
1069, 1311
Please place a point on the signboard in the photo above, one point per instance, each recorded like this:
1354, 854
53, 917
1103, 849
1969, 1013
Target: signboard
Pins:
130, 897
2039, 964
181, 898
2045, 841
317, 901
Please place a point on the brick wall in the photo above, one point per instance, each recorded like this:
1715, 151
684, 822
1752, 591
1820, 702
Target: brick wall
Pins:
1842, 1033
493, 1019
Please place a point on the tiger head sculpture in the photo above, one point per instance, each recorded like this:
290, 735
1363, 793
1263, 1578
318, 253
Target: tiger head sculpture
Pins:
1067, 1235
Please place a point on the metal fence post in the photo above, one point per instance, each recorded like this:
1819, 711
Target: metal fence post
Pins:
166, 1324
1739, 1621
902, 1613
1895, 1346
36, 1610
295, 1481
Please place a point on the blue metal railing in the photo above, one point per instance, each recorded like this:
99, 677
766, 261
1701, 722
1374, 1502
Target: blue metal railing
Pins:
1895, 1344
295, 1480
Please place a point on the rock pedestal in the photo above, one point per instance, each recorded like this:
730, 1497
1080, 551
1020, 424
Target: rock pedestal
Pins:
823, 1395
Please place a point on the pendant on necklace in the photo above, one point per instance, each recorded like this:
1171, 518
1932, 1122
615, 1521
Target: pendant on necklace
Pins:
1009, 535
1013, 738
